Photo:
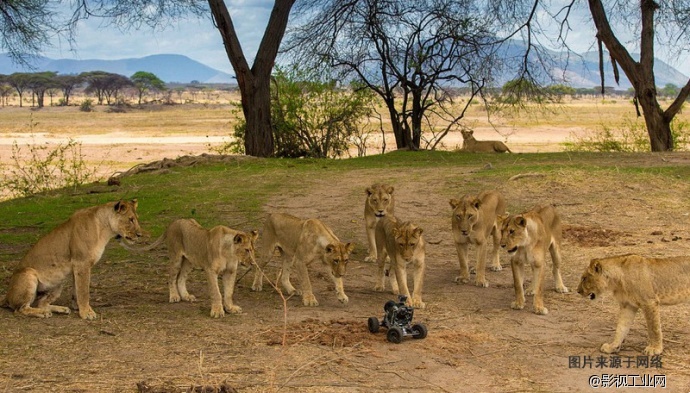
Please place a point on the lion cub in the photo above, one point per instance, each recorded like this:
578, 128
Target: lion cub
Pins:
404, 243
217, 250
526, 237
302, 242
379, 203
638, 283
474, 220
71, 248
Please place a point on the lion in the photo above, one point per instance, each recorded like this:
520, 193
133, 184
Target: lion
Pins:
638, 283
379, 203
526, 237
73, 247
474, 220
404, 243
302, 242
217, 251
470, 144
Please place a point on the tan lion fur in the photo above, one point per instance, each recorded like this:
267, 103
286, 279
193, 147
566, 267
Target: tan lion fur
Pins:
470, 144
403, 242
474, 219
527, 237
638, 283
71, 248
218, 251
302, 242
380, 202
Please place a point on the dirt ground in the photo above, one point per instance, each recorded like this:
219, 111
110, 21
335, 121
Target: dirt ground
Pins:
476, 343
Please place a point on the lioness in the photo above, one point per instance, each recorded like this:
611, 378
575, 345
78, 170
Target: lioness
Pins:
470, 144
404, 243
302, 242
473, 221
379, 203
638, 283
217, 250
73, 247
527, 236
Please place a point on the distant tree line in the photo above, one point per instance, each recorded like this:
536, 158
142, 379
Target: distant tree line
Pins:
105, 86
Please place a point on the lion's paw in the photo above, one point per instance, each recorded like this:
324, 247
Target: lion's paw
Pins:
541, 310
189, 298
234, 309
517, 305
174, 298
562, 289
379, 288
217, 311
257, 287
496, 268
462, 279
370, 258
653, 350
417, 303
87, 313
309, 301
609, 348
343, 298
482, 283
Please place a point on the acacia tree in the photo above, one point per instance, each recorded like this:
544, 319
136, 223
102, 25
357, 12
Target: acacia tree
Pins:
409, 52
20, 82
145, 81
67, 83
254, 81
39, 83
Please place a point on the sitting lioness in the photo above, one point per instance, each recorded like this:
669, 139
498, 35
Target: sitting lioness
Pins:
474, 220
302, 242
218, 251
404, 243
71, 248
638, 283
379, 203
526, 237
470, 144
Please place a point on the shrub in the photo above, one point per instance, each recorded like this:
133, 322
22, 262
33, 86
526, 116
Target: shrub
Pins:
86, 105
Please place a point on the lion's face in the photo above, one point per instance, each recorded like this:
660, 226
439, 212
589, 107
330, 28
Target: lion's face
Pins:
337, 257
466, 134
125, 221
593, 283
380, 199
466, 213
407, 239
244, 247
514, 233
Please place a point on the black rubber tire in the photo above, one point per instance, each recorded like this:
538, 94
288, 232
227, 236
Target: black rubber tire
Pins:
419, 331
373, 324
389, 304
395, 335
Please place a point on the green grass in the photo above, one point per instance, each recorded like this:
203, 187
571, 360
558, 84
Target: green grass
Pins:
234, 194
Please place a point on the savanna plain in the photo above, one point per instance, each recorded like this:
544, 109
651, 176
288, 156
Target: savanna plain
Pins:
610, 203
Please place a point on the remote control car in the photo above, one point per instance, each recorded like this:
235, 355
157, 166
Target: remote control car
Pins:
398, 320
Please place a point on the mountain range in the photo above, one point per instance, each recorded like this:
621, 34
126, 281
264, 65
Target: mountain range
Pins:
575, 70
168, 67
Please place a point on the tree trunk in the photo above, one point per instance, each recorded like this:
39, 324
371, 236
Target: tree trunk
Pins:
254, 83
641, 74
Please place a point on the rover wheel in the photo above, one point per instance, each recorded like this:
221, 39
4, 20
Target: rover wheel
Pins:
389, 304
373, 325
419, 331
395, 334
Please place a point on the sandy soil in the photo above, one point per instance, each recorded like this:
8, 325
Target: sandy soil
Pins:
476, 342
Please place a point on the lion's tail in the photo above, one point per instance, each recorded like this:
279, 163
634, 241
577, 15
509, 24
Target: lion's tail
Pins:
150, 247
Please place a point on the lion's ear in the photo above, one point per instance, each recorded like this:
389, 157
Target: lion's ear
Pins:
477, 203
597, 267
135, 203
239, 238
254, 234
390, 189
520, 221
120, 207
330, 248
500, 219
369, 191
349, 247
417, 231
454, 203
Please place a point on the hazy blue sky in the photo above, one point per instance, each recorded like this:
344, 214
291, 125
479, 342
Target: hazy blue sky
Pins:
201, 41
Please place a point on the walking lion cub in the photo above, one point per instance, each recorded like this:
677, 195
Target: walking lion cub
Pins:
638, 283
403, 242
474, 220
302, 242
379, 203
527, 237
218, 251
